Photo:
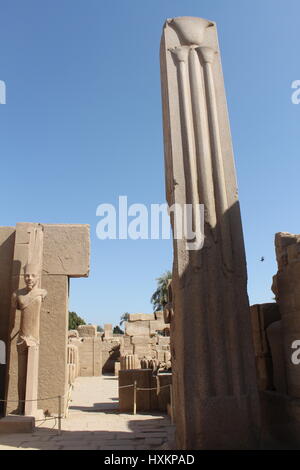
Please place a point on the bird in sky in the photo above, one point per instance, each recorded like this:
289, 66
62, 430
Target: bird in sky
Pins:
262, 259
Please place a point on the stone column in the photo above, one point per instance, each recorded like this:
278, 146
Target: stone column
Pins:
215, 391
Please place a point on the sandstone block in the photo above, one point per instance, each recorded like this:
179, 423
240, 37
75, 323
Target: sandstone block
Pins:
17, 424
157, 325
163, 340
66, 250
137, 328
87, 330
142, 340
141, 350
141, 317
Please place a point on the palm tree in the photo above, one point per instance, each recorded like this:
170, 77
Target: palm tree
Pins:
124, 318
160, 297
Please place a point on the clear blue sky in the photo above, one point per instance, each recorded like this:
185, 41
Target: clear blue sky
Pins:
82, 125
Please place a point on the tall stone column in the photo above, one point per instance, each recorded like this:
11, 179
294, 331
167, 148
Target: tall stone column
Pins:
215, 392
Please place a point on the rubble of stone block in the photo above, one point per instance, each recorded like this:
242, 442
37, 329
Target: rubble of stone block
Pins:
147, 337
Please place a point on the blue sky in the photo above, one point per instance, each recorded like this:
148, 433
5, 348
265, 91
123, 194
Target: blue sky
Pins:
82, 125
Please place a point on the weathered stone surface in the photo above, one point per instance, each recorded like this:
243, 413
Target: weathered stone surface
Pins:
117, 368
141, 350
157, 325
274, 334
145, 399
86, 331
137, 328
17, 424
261, 317
210, 332
163, 340
90, 360
142, 340
141, 317
108, 330
73, 334
53, 378
67, 250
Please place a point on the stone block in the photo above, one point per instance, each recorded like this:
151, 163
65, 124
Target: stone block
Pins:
141, 350
117, 368
146, 399
141, 340
140, 317
163, 340
108, 331
157, 325
73, 334
17, 424
85, 331
161, 356
137, 328
66, 250
143, 379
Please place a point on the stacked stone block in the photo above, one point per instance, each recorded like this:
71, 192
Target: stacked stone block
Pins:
143, 338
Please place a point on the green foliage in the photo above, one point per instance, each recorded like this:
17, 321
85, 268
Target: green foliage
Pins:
160, 297
100, 329
124, 318
75, 321
117, 330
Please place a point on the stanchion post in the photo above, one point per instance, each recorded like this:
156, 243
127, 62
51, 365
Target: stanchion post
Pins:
59, 415
134, 398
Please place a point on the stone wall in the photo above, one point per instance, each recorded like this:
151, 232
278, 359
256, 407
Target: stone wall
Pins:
65, 255
111, 345
275, 327
89, 347
144, 337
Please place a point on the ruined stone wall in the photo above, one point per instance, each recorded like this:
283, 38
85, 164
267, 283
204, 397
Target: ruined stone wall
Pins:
65, 255
275, 327
142, 338
89, 347
111, 347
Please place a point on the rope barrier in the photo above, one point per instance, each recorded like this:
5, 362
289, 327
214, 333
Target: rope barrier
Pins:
46, 418
140, 389
35, 399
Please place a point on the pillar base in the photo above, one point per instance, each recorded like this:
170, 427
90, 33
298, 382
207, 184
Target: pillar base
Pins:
17, 424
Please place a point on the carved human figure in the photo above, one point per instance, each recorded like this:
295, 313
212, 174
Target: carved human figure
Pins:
28, 300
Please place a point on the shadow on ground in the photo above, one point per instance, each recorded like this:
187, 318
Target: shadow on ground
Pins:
143, 434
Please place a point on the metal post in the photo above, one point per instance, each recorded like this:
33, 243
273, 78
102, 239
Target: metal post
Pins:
134, 398
59, 415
